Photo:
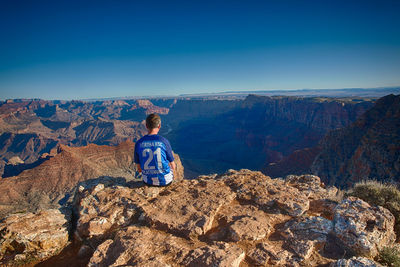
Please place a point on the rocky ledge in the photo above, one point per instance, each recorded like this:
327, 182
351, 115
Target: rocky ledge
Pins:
240, 218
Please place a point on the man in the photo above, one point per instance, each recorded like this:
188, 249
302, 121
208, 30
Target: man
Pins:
153, 155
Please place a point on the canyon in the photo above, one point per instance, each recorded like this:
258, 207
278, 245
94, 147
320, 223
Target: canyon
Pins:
71, 195
243, 133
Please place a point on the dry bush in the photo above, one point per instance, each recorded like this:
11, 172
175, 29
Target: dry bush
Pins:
389, 256
376, 193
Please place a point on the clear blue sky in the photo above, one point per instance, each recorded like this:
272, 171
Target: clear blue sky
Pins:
89, 49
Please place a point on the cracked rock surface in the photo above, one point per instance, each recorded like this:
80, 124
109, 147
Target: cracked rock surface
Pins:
240, 218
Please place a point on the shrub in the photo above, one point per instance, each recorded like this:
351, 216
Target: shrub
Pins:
389, 256
385, 195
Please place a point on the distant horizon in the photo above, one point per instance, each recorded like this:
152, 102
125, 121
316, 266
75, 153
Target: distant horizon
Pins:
393, 89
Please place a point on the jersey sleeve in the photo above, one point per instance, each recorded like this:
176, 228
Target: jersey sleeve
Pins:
170, 155
136, 154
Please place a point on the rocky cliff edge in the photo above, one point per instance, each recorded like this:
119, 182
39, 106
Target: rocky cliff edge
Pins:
240, 218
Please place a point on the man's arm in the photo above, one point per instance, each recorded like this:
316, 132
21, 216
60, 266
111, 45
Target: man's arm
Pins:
173, 167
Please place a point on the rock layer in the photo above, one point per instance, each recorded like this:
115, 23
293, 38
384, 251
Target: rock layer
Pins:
33, 236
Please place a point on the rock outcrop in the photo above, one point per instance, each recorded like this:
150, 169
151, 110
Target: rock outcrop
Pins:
363, 229
240, 218
355, 262
54, 179
24, 237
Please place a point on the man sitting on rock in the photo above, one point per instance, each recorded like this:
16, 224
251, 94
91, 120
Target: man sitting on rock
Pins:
153, 155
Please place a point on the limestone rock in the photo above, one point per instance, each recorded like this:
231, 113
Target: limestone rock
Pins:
355, 262
265, 192
265, 254
105, 207
304, 233
311, 186
248, 228
240, 218
15, 160
140, 246
37, 236
222, 255
308, 228
189, 208
362, 228
243, 223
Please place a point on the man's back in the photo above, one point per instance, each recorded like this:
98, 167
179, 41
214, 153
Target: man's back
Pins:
154, 153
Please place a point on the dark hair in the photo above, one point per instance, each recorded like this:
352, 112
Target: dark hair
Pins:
153, 121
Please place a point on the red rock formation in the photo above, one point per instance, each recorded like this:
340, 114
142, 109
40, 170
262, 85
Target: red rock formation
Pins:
46, 184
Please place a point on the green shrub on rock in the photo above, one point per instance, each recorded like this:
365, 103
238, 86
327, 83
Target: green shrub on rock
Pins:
389, 256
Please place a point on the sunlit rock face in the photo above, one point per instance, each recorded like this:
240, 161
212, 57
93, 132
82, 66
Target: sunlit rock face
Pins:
233, 219
38, 236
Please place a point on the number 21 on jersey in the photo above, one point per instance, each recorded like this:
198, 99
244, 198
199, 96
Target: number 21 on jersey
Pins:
150, 155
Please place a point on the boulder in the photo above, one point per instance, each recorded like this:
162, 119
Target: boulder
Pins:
244, 222
355, 262
106, 206
303, 234
33, 236
362, 228
188, 208
140, 246
248, 228
308, 228
311, 186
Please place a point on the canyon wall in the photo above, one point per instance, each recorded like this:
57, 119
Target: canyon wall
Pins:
210, 135
367, 149
216, 135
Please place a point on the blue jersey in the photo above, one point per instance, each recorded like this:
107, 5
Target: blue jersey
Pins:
154, 153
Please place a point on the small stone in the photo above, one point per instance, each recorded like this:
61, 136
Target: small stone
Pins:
19, 257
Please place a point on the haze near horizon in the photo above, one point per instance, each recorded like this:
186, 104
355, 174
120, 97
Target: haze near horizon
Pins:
77, 50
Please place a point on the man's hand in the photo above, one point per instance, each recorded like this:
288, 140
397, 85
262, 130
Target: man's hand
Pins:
138, 167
